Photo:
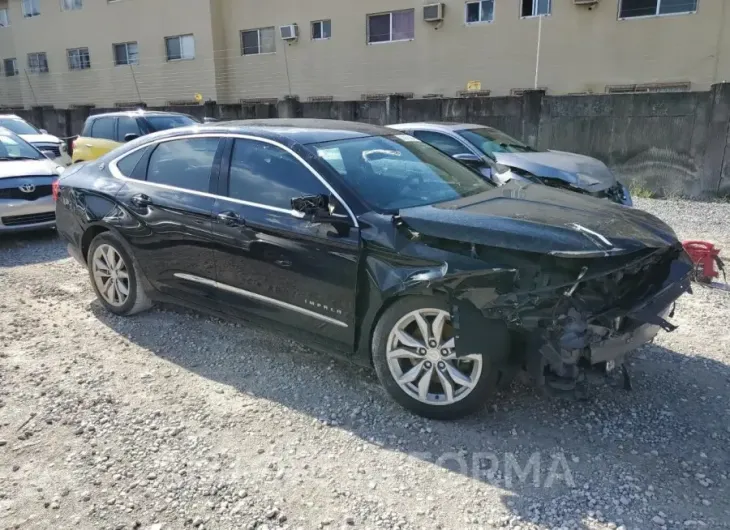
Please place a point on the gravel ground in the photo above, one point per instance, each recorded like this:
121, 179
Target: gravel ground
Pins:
172, 419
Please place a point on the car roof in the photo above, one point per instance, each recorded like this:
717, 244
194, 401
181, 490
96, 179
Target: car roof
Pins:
135, 113
288, 131
438, 126
11, 117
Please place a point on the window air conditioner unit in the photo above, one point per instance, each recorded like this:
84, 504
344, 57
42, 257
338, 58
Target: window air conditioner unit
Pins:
585, 2
433, 12
290, 32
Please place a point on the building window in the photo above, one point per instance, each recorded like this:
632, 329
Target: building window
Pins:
71, 5
535, 8
258, 41
37, 63
391, 27
321, 29
651, 8
11, 67
78, 59
31, 8
125, 53
4, 22
479, 11
180, 47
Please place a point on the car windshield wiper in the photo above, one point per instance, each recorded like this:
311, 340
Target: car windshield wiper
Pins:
517, 146
18, 158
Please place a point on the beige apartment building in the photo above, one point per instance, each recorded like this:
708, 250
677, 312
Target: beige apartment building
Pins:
116, 52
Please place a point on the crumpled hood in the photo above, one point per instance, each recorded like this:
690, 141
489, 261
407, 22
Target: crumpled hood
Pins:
536, 218
27, 168
40, 138
581, 171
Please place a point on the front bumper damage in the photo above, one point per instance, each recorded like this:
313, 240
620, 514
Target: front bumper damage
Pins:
564, 333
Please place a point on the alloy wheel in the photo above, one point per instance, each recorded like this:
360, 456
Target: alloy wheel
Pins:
422, 359
110, 275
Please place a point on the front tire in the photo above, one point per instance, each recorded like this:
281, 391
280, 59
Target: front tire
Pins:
114, 276
415, 360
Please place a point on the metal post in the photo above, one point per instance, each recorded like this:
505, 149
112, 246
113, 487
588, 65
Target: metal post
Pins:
30, 85
134, 78
537, 58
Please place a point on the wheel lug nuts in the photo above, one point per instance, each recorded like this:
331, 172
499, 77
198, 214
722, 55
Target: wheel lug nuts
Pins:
442, 365
428, 365
432, 343
444, 351
422, 351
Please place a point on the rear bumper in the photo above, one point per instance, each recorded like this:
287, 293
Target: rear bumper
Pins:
20, 215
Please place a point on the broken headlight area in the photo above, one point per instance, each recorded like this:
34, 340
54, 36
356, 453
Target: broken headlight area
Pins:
570, 314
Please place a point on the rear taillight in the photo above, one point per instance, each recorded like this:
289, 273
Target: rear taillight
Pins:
55, 188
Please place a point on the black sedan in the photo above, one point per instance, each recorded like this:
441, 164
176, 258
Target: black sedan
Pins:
368, 242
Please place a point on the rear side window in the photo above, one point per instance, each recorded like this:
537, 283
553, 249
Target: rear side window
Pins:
127, 126
103, 128
127, 165
186, 163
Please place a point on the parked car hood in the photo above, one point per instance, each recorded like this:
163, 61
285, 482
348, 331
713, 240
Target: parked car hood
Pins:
40, 138
535, 218
580, 171
27, 168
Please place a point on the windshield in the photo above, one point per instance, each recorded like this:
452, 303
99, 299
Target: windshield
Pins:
490, 141
13, 148
18, 126
393, 172
162, 123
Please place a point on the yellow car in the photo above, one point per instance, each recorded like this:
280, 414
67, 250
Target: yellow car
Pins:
104, 132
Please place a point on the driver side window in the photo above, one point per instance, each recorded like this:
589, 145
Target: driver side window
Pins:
441, 142
266, 174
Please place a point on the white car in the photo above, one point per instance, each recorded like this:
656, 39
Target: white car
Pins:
27, 179
50, 145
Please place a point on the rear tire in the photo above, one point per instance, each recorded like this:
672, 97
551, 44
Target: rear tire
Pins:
114, 276
425, 376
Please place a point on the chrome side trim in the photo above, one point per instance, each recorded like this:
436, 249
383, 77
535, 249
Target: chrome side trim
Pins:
258, 297
114, 170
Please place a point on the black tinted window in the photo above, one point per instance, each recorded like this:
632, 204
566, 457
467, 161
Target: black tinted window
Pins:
127, 126
267, 174
103, 128
127, 164
183, 163
441, 142
163, 123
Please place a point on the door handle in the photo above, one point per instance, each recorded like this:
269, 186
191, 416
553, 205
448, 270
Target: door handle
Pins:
141, 200
230, 218
89, 145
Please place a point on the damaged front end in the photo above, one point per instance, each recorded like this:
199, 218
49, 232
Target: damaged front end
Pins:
571, 315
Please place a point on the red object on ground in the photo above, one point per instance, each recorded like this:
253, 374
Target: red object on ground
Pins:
705, 256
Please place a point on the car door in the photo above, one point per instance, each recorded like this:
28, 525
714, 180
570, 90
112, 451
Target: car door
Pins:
127, 129
102, 139
457, 148
270, 261
167, 197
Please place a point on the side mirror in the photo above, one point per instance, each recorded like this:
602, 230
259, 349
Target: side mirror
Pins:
49, 154
209, 120
130, 136
469, 159
319, 208
311, 204
43, 131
